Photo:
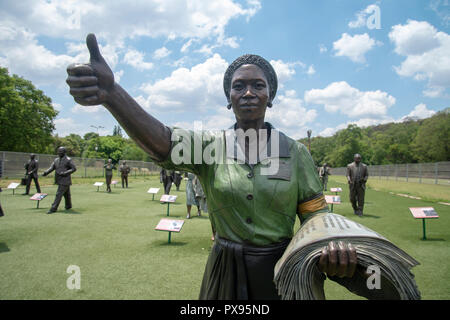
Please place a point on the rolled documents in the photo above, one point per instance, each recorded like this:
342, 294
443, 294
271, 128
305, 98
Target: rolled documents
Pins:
296, 273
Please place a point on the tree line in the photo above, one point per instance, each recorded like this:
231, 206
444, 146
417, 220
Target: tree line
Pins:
27, 115
27, 125
410, 141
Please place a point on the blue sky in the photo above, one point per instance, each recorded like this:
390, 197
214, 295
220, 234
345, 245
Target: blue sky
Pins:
338, 62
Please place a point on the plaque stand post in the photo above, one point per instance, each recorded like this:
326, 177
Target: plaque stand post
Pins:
424, 232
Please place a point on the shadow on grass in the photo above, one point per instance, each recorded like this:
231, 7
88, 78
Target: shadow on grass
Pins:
171, 215
173, 243
4, 247
195, 216
433, 239
70, 211
370, 216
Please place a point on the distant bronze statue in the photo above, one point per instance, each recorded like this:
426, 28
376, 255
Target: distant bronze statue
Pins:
31, 168
109, 167
166, 178
64, 167
177, 178
357, 175
124, 170
324, 172
190, 195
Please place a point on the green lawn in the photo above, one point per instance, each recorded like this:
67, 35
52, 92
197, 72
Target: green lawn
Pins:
111, 237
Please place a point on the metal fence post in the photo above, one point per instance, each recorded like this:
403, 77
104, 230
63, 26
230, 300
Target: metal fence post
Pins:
420, 173
406, 172
436, 173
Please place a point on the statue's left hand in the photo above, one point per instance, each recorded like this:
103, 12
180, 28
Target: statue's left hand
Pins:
338, 259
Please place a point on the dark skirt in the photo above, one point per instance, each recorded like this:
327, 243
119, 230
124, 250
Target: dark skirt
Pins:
236, 271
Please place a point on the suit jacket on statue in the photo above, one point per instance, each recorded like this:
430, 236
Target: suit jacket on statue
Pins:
124, 170
354, 176
32, 166
63, 167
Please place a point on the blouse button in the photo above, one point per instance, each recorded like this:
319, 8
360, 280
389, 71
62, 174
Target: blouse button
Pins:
249, 220
250, 175
249, 197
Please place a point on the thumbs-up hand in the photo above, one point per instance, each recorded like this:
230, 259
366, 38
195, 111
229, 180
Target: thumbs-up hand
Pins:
90, 84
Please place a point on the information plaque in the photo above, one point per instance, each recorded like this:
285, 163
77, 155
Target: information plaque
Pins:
13, 186
153, 191
336, 190
38, 197
168, 198
170, 226
333, 200
98, 185
424, 213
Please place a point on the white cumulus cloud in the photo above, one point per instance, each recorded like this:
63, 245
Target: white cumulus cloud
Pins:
340, 96
197, 88
136, 59
426, 52
354, 47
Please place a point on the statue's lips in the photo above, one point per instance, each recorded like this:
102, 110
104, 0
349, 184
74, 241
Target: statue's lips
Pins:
248, 106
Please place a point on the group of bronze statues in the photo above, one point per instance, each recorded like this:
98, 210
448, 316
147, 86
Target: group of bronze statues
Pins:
64, 167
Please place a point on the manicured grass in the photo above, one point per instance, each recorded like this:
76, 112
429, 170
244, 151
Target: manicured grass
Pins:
111, 237
426, 191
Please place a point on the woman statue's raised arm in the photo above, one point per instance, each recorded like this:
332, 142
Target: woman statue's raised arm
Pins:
93, 84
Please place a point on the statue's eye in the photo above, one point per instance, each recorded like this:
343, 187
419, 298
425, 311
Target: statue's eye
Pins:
238, 86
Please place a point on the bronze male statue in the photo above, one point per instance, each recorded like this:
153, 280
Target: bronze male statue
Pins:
324, 172
166, 178
177, 179
124, 171
109, 167
32, 167
64, 167
357, 175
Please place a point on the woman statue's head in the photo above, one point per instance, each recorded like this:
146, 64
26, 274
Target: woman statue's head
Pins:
250, 85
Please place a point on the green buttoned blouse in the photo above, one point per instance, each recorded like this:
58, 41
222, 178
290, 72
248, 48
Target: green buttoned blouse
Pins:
245, 205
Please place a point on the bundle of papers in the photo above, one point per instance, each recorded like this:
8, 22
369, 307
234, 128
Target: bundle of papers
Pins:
296, 270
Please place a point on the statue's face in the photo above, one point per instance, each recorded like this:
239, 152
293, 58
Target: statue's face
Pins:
109, 160
249, 93
357, 159
61, 152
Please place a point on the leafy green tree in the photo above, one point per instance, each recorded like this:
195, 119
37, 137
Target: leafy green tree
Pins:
26, 115
432, 142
